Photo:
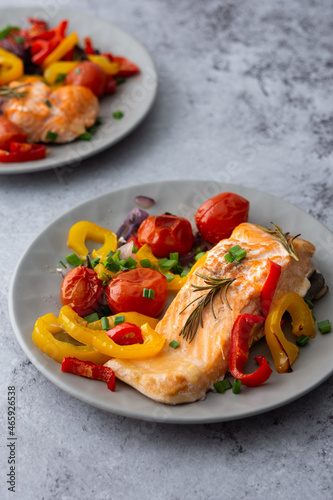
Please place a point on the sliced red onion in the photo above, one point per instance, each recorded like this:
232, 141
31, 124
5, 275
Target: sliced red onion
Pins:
126, 251
144, 201
131, 224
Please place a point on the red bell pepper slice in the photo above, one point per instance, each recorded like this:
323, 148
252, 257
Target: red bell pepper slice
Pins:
268, 290
135, 241
239, 352
88, 46
90, 370
126, 67
46, 42
21, 152
126, 334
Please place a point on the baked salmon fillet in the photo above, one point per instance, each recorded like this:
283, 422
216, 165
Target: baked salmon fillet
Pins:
185, 374
65, 112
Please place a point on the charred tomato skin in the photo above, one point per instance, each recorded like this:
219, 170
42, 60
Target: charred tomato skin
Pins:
82, 290
124, 293
166, 234
218, 216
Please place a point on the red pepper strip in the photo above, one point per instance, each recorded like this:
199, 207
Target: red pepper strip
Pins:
90, 370
88, 46
268, 290
47, 42
126, 334
239, 352
108, 55
126, 67
135, 241
20, 152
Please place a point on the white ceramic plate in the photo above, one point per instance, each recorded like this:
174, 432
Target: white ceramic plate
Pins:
134, 98
35, 291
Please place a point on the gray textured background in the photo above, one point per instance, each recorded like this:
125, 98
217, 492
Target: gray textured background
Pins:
246, 96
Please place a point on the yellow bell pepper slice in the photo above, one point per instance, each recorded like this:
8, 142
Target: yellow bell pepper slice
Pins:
103, 273
137, 319
284, 352
77, 328
11, 67
109, 68
59, 52
88, 230
58, 68
179, 281
48, 325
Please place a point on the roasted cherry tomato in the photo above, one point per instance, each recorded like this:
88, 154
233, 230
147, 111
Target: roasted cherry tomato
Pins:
81, 290
126, 334
165, 234
218, 216
10, 132
88, 74
126, 292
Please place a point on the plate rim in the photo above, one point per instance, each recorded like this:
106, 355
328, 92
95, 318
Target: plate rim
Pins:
174, 419
32, 167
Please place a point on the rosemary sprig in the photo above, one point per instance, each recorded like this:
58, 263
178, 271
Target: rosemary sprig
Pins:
283, 238
213, 287
12, 92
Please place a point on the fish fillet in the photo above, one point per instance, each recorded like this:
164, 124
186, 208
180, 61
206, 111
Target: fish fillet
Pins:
67, 111
185, 374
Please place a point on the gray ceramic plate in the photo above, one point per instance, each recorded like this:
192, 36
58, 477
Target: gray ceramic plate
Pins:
134, 98
35, 291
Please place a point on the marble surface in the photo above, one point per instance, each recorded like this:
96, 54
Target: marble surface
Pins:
245, 97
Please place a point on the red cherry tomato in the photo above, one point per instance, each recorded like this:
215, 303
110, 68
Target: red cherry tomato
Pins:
218, 216
81, 290
9, 132
165, 234
124, 293
88, 74
126, 334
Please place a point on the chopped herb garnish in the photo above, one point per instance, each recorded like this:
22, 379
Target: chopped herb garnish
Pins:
89, 264
237, 252
78, 71
309, 303
134, 249
111, 265
174, 344
19, 39
118, 320
184, 273
106, 278
94, 262
120, 80
222, 386
118, 115
85, 137
48, 103
91, 318
174, 256
60, 77
145, 263
324, 326
169, 277
148, 293
6, 30
98, 121
199, 255
302, 340
105, 323
74, 260
237, 386
167, 264
229, 258
64, 265
51, 136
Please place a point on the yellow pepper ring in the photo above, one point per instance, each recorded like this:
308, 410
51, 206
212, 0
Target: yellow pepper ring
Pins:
109, 68
88, 230
135, 318
46, 327
58, 68
11, 67
77, 328
283, 351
